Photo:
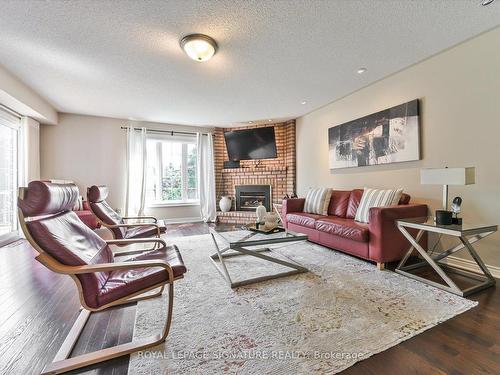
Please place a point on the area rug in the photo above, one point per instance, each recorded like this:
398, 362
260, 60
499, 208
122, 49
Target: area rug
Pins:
321, 322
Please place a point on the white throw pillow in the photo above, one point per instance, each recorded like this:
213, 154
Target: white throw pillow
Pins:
317, 201
376, 198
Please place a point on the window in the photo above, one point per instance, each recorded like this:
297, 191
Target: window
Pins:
9, 138
171, 170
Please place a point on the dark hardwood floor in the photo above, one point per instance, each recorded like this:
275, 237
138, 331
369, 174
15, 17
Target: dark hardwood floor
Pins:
38, 308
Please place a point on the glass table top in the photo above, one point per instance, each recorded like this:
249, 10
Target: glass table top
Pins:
428, 223
248, 237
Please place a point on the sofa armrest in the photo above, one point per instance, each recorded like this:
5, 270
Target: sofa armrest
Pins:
291, 205
387, 244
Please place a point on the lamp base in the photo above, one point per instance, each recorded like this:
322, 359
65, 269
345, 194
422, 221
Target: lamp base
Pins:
444, 217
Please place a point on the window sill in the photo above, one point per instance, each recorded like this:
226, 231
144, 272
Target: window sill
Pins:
173, 204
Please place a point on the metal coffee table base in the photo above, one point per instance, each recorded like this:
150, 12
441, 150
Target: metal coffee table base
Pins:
222, 254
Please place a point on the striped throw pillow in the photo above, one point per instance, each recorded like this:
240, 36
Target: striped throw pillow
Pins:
317, 201
376, 198
78, 204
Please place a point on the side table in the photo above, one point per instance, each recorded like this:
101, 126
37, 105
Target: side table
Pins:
467, 233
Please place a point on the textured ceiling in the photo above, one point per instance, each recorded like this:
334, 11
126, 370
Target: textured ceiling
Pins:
122, 58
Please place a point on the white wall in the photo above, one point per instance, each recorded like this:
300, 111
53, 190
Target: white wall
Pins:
91, 151
459, 91
22, 99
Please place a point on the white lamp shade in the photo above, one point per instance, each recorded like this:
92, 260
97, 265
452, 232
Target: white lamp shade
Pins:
448, 176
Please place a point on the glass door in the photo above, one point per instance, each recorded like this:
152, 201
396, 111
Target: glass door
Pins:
9, 133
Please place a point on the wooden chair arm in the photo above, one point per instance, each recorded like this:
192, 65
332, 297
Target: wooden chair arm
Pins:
131, 225
140, 218
137, 240
92, 268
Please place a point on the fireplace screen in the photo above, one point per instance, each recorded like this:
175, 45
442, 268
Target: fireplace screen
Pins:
248, 197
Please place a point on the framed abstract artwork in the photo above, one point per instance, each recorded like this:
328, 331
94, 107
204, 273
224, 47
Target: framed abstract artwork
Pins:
388, 136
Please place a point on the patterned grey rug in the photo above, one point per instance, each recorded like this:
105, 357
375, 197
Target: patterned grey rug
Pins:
343, 311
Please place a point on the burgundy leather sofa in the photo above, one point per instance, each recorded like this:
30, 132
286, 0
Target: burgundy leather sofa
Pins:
379, 241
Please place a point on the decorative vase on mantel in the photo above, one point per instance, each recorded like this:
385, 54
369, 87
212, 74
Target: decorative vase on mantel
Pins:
260, 212
225, 203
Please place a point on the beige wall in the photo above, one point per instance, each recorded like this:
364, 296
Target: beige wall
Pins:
91, 150
459, 91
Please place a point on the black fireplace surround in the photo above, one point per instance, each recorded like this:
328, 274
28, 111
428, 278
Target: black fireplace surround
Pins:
248, 197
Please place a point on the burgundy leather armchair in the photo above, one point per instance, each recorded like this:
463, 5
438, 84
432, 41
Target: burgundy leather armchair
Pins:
121, 227
67, 246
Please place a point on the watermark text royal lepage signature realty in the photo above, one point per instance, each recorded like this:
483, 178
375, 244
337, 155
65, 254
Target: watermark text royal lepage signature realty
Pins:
186, 355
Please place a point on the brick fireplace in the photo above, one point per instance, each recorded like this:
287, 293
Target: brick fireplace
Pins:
278, 173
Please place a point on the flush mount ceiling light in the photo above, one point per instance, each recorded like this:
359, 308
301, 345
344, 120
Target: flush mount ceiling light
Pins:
199, 47
486, 2
303, 102
361, 70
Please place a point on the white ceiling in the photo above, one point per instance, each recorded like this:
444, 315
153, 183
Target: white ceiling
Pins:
122, 58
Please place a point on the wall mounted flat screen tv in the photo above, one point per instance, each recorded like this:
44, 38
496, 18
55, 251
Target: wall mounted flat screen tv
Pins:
250, 144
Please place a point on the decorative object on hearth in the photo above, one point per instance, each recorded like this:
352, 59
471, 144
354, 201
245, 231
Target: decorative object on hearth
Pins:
225, 203
447, 176
388, 136
455, 208
260, 213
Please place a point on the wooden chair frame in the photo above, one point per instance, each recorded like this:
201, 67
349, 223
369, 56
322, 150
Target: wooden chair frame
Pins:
61, 362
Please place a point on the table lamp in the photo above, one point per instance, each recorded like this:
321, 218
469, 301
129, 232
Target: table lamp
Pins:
447, 176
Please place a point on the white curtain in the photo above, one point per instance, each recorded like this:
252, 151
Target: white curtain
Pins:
206, 177
136, 172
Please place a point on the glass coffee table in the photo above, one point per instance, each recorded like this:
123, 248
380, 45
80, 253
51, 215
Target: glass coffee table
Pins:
253, 244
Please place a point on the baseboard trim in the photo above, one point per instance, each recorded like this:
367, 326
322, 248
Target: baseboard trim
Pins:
183, 220
7, 239
470, 265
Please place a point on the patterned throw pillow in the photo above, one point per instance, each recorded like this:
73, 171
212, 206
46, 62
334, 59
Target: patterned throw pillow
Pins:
317, 201
376, 198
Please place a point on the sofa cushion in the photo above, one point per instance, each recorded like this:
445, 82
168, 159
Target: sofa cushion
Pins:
346, 228
339, 202
304, 219
354, 199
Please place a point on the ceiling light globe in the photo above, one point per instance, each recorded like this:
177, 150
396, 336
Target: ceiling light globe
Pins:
199, 47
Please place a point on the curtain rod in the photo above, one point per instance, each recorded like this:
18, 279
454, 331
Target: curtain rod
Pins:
11, 111
172, 132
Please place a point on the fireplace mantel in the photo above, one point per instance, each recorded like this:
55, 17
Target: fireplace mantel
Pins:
253, 170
